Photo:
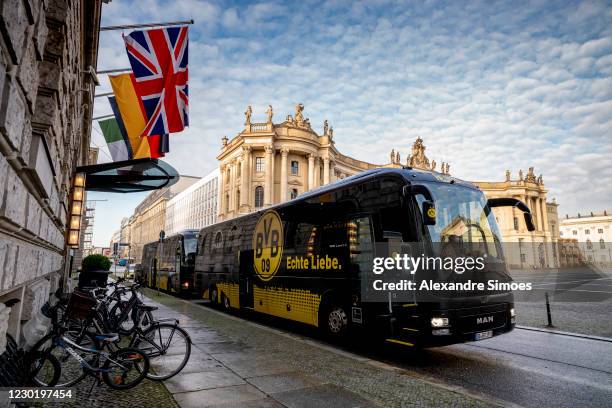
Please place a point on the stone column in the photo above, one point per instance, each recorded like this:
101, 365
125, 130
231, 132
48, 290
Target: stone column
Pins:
332, 171
232, 187
317, 172
269, 177
544, 213
538, 207
245, 173
222, 182
326, 170
284, 174
311, 163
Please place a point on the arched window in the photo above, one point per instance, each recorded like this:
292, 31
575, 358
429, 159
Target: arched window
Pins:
602, 244
259, 196
294, 193
238, 198
227, 203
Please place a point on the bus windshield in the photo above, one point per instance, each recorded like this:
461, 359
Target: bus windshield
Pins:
191, 244
462, 218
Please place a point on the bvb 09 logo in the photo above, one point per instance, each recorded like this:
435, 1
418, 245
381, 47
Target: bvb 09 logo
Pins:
268, 245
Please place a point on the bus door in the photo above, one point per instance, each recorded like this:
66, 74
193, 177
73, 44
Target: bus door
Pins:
245, 278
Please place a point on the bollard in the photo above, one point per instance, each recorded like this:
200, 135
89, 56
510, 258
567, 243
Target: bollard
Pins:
548, 316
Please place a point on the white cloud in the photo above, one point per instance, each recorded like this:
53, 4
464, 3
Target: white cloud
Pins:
488, 87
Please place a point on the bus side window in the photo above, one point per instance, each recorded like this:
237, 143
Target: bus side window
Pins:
361, 245
306, 239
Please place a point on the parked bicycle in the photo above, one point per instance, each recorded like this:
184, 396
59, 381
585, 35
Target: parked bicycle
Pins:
81, 353
166, 344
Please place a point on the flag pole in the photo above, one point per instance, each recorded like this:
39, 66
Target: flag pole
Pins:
148, 25
112, 71
103, 117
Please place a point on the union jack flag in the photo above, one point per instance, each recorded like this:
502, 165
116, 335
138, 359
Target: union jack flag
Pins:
159, 61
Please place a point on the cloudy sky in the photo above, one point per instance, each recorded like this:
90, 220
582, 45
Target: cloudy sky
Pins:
488, 86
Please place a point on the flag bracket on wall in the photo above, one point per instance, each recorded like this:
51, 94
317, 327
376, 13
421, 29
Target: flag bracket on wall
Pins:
129, 176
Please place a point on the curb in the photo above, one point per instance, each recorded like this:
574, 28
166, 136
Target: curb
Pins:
380, 364
563, 333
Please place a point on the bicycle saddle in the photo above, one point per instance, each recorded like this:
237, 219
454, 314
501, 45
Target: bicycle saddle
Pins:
107, 337
148, 308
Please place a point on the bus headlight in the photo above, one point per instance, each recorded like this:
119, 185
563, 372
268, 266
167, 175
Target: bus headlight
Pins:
512, 312
185, 285
439, 321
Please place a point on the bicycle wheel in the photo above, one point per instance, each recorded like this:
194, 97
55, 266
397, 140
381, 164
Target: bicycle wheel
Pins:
71, 371
125, 368
122, 319
45, 369
168, 347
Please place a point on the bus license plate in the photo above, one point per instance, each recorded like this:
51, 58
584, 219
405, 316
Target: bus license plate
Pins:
483, 335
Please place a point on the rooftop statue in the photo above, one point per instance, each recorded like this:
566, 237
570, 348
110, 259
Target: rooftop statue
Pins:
299, 116
325, 127
247, 115
270, 113
418, 158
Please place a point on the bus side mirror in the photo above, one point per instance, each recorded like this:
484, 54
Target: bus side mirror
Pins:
429, 212
513, 202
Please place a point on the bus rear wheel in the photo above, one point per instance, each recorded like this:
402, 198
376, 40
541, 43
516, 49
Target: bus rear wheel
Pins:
226, 303
214, 296
335, 321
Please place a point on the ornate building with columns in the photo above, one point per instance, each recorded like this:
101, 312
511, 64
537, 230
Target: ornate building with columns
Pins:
268, 163
526, 248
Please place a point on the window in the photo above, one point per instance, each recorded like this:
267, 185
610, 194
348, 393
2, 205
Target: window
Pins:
259, 196
516, 224
227, 198
238, 198
218, 244
295, 168
589, 244
587, 231
294, 193
600, 230
259, 164
575, 232
602, 244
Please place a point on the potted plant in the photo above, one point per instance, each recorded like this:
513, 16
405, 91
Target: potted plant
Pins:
94, 271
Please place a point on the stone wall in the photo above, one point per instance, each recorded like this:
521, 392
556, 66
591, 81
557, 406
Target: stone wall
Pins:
46, 101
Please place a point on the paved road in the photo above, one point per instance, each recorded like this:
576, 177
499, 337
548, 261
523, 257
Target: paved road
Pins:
525, 367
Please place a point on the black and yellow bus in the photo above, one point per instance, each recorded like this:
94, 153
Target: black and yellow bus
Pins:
310, 259
169, 264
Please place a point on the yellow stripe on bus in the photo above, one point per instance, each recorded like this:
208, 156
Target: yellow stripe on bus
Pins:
400, 342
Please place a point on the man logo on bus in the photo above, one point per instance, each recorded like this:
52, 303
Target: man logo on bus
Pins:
268, 241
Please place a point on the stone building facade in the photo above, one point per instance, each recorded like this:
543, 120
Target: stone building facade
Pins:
590, 235
267, 163
149, 217
48, 53
526, 249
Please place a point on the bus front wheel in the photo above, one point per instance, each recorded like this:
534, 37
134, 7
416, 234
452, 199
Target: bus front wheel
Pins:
335, 321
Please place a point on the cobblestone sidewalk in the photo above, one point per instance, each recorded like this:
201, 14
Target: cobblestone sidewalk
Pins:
236, 363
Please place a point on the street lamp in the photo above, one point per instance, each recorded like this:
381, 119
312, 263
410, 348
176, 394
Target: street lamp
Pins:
76, 210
